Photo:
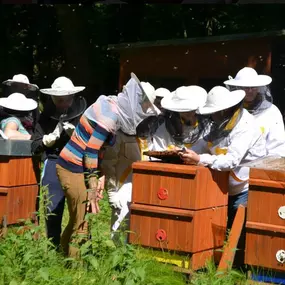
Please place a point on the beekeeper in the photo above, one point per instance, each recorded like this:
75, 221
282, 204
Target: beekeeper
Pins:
131, 142
152, 123
20, 84
182, 126
97, 127
160, 93
234, 138
15, 118
258, 101
56, 124
147, 128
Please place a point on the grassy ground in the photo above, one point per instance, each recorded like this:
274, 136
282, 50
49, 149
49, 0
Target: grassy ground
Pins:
25, 261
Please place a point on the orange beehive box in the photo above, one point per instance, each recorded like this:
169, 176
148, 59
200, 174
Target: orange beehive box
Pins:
265, 223
18, 203
181, 208
18, 171
18, 188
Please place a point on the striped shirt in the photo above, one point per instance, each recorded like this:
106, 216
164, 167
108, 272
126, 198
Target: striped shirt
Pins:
96, 127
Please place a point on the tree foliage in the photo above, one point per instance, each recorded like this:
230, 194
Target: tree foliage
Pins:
46, 41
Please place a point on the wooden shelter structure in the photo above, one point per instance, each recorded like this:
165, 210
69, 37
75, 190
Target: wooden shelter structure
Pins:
205, 61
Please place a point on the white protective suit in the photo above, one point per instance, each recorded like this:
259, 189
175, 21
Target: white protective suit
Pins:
118, 159
162, 140
245, 143
117, 166
272, 127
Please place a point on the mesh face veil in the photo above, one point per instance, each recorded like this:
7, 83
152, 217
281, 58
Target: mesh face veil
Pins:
133, 107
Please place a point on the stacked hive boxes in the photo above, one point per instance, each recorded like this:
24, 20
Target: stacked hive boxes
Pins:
181, 208
19, 182
265, 224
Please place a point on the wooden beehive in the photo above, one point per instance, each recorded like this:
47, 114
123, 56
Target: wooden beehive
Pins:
181, 208
265, 223
18, 188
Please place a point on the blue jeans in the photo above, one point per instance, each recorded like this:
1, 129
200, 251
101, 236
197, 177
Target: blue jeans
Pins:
233, 203
56, 197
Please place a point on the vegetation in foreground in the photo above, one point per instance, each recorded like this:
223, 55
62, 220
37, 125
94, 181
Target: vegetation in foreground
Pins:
26, 261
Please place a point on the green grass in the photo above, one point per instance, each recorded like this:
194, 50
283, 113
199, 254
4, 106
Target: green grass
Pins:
25, 261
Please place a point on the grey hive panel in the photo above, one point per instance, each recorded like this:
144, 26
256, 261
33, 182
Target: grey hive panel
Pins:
15, 147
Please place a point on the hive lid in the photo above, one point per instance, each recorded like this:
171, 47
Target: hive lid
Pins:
271, 162
15, 148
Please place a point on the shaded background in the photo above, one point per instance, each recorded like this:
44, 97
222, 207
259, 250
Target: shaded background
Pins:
45, 41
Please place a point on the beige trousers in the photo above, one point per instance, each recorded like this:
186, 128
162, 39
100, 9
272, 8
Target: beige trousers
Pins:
75, 192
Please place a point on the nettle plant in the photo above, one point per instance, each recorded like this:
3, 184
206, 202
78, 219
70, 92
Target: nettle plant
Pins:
27, 256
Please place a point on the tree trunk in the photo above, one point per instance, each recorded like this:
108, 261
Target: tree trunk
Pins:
78, 66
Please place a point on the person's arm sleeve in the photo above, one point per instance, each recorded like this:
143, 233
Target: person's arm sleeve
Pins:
241, 144
97, 139
275, 140
11, 127
5, 122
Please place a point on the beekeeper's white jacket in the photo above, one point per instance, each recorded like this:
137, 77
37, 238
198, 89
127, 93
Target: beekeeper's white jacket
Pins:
162, 140
118, 159
245, 143
272, 127
117, 166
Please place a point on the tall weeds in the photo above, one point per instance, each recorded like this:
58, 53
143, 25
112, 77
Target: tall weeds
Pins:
25, 260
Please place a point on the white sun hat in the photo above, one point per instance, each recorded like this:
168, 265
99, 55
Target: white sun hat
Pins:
248, 77
21, 79
18, 102
162, 92
220, 98
62, 86
185, 99
147, 89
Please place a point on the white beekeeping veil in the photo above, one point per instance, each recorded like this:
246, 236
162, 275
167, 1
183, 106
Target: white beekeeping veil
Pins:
135, 103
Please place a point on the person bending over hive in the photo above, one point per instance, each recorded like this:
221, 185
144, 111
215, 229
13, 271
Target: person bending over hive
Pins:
182, 126
79, 159
16, 123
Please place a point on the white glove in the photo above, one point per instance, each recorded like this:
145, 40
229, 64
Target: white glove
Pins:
49, 140
114, 199
58, 130
119, 199
123, 213
69, 128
